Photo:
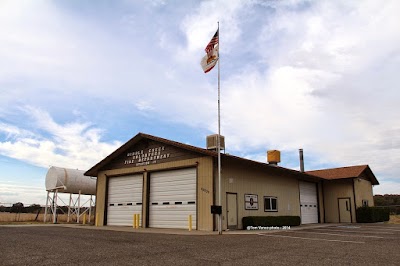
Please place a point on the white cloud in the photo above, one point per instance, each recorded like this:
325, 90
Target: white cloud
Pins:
201, 25
11, 131
157, 3
71, 145
46, 48
386, 187
12, 192
144, 105
328, 86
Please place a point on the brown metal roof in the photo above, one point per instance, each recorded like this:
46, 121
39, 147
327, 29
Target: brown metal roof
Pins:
180, 145
345, 172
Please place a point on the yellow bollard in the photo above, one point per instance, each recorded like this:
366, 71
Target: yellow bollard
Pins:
190, 222
138, 221
84, 218
97, 219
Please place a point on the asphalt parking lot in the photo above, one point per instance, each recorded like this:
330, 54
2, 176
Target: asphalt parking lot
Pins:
355, 244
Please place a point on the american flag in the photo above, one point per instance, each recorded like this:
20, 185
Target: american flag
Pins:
214, 41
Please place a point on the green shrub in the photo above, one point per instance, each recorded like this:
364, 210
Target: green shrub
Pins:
372, 214
270, 221
394, 210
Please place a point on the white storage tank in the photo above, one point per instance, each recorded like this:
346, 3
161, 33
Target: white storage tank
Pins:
70, 181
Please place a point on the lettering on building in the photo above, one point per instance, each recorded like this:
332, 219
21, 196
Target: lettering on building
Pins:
146, 157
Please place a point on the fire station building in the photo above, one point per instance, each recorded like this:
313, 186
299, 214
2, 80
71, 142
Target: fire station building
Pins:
165, 181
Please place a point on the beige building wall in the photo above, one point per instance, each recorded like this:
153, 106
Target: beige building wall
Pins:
205, 194
205, 190
321, 203
242, 179
100, 198
363, 191
333, 190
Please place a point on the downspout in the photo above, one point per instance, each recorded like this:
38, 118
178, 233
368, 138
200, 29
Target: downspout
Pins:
355, 205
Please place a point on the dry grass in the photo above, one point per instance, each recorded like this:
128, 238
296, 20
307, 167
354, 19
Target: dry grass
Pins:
394, 219
12, 218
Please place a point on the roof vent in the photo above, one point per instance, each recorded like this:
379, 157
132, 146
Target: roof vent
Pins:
273, 157
212, 142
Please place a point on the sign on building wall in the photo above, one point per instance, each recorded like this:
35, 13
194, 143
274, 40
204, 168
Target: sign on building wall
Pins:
148, 152
147, 156
251, 201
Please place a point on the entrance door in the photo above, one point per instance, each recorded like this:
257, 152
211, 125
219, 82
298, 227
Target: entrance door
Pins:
231, 210
344, 210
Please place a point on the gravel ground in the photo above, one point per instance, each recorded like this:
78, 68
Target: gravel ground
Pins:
58, 245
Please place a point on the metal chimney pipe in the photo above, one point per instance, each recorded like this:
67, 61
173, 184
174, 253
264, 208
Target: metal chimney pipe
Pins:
301, 160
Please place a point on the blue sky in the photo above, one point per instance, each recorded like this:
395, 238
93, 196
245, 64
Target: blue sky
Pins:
80, 78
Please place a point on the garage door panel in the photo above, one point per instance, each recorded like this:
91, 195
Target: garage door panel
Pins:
122, 215
182, 190
308, 202
172, 216
175, 186
166, 215
178, 195
176, 173
172, 198
128, 197
172, 225
184, 181
124, 199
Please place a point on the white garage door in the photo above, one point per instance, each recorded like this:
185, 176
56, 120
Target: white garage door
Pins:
308, 202
172, 198
124, 199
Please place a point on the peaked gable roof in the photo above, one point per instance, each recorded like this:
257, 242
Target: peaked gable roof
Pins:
345, 173
141, 136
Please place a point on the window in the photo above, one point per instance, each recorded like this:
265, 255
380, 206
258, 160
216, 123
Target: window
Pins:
270, 204
365, 203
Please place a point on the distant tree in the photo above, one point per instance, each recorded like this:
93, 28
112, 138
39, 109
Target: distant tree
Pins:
379, 200
3, 208
389, 200
17, 207
396, 201
33, 208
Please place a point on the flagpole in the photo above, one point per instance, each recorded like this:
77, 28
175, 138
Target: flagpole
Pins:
219, 139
